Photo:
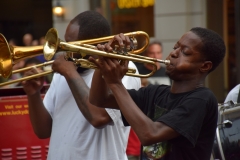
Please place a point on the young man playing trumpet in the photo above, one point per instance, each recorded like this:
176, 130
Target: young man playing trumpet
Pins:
176, 122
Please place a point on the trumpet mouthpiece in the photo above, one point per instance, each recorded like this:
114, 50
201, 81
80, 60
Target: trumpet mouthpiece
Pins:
166, 62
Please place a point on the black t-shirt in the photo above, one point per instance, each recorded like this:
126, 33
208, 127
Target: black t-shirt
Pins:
192, 114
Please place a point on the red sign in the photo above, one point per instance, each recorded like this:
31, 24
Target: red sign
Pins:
17, 138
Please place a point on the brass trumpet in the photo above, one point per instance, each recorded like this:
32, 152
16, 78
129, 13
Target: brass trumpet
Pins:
10, 55
53, 43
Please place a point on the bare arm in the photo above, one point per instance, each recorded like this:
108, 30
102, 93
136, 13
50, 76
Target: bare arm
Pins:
148, 132
98, 117
100, 94
40, 118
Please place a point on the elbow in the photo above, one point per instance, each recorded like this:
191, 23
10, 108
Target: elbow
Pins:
42, 135
147, 139
92, 101
95, 102
146, 142
100, 123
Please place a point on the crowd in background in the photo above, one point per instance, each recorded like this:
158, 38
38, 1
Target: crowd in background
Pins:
27, 41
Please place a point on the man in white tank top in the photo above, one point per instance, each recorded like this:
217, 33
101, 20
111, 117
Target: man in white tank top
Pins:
77, 129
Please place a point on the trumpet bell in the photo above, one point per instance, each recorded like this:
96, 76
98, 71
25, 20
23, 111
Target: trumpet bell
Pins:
10, 55
5, 58
51, 45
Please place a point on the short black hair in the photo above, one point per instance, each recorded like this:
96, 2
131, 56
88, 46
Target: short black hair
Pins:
91, 25
32, 60
155, 42
213, 47
152, 42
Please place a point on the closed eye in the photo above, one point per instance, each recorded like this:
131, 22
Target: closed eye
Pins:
175, 47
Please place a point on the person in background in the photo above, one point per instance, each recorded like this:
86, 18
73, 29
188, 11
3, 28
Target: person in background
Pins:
234, 95
77, 129
32, 62
41, 57
154, 50
35, 42
12, 42
27, 39
133, 146
176, 122
42, 40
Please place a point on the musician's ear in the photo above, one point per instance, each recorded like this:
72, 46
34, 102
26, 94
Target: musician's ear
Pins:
206, 66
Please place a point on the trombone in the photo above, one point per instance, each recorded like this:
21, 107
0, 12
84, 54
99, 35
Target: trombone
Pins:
12, 54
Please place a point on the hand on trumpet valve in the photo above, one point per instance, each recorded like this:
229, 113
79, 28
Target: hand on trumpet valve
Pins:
61, 66
118, 44
34, 85
113, 69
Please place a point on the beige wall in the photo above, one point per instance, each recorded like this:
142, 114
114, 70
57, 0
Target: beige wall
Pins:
175, 17
172, 18
72, 8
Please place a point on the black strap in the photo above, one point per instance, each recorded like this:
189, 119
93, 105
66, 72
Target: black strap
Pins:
238, 99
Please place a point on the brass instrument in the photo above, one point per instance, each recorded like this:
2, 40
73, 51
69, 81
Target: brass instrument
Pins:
10, 55
53, 43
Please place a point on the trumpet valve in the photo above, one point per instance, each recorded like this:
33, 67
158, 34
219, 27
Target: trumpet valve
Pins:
134, 44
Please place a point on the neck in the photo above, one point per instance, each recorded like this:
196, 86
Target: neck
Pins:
185, 86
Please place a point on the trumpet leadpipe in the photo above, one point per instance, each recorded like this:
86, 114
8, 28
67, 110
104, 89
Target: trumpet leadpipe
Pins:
166, 62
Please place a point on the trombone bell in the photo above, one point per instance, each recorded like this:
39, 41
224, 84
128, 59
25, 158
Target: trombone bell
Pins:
5, 58
10, 55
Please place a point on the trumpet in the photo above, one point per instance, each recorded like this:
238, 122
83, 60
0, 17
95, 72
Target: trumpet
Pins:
53, 43
10, 55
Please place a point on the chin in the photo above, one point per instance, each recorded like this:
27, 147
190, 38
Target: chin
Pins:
168, 74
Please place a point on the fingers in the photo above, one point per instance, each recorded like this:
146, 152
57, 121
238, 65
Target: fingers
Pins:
119, 42
123, 41
95, 61
101, 47
124, 62
32, 72
126, 40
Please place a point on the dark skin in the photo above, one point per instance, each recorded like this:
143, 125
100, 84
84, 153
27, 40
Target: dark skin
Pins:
187, 69
39, 116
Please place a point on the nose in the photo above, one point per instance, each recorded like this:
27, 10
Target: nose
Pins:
174, 53
155, 55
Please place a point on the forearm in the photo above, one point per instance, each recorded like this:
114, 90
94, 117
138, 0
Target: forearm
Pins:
39, 116
100, 94
148, 132
95, 115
